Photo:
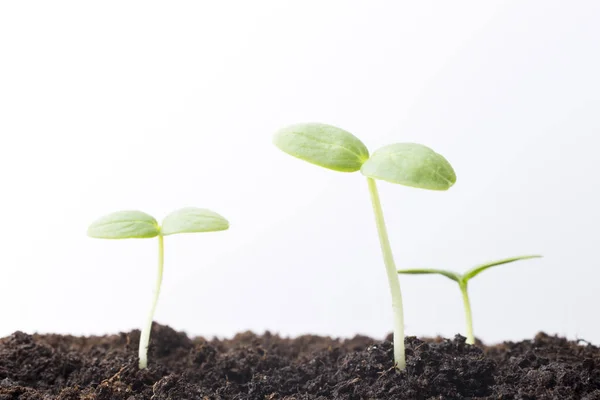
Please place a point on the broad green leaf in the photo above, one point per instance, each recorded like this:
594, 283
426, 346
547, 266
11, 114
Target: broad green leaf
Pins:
410, 164
124, 225
480, 268
191, 220
323, 145
448, 274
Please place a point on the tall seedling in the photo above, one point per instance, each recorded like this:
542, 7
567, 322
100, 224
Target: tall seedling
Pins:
408, 164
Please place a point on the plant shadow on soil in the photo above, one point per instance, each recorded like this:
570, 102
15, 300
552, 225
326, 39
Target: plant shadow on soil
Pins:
268, 367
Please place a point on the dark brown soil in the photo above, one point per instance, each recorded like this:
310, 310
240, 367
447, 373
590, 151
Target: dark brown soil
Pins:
269, 367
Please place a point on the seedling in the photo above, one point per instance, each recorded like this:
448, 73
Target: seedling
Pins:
463, 280
408, 164
139, 225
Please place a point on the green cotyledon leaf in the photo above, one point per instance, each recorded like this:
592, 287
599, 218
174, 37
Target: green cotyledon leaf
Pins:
126, 224
323, 145
480, 268
410, 164
191, 220
417, 271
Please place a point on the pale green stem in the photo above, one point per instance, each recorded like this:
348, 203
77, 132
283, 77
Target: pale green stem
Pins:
145, 335
392, 274
468, 314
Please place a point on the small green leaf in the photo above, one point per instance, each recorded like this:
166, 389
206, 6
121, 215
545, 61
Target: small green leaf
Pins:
124, 225
448, 274
480, 268
410, 164
323, 145
191, 220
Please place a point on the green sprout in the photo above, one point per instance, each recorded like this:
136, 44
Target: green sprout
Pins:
406, 164
463, 280
139, 225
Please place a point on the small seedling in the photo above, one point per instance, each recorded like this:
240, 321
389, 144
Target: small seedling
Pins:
408, 164
463, 280
139, 225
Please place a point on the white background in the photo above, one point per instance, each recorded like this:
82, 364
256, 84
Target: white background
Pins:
159, 105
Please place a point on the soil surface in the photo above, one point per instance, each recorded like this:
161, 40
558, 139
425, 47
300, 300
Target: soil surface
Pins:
268, 367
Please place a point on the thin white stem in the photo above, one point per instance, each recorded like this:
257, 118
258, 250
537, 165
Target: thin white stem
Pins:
392, 274
145, 335
468, 314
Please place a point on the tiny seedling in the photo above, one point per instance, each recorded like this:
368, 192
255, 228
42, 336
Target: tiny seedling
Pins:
463, 280
408, 164
139, 225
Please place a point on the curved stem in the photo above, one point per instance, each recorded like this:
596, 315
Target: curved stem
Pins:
145, 335
468, 314
392, 274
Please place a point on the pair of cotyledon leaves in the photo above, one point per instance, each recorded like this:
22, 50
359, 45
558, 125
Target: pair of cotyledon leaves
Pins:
408, 164
463, 279
137, 224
